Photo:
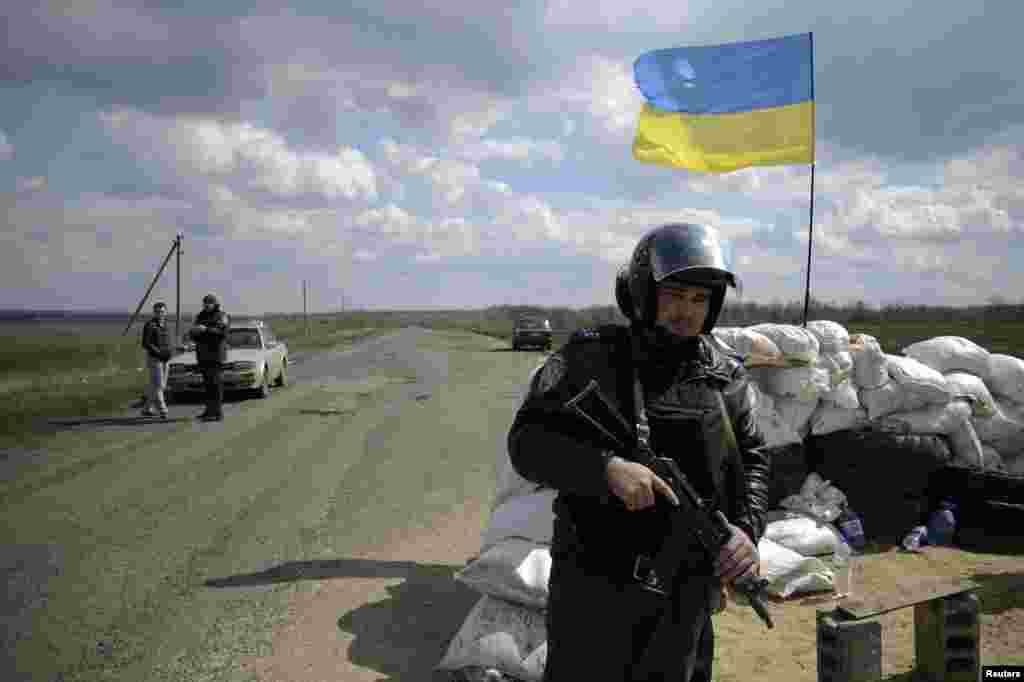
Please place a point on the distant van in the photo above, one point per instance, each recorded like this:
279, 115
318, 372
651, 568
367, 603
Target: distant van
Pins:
531, 332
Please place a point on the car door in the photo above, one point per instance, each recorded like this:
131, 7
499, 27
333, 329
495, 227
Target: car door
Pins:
274, 352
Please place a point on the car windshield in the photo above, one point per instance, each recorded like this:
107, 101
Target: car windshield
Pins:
244, 338
533, 324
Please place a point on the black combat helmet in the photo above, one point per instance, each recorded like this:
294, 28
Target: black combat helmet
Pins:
682, 252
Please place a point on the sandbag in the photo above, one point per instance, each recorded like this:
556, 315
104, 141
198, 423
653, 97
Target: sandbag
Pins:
790, 573
498, 634
952, 420
1014, 464
1006, 376
805, 384
514, 570
828, 418
951, 354
802, 533
1004, 430
776, 431
918, 379
796, 413
887, 398
964, 384
747, 342
869, 363
992, 459
527, 517
798, 346
843, 395
884, 475
832, 336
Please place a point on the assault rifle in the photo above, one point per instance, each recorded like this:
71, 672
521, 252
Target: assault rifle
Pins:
710, 526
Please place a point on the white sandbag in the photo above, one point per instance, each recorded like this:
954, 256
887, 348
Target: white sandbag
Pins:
828, 418
1004, 430
527, 517
774, 428
800, 383
992, 459
802, 533
940, 419
514, 570
746, 342
1006, 376
869, 363
832, 336
498, 634
509, 483
845, 362
887, 398
919, 379
964, 384
796, 413
843, 395
798, 346
952, 420
790, 573
951, 354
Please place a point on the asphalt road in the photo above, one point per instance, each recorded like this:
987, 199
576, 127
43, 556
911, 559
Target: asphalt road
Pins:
312, 535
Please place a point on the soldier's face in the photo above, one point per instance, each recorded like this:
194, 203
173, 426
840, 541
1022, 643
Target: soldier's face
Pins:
682, 309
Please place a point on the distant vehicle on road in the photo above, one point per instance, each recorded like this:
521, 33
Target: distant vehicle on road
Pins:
531, 331
256, 359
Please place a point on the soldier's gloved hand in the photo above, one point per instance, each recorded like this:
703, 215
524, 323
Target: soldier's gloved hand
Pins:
738, 557
636, 485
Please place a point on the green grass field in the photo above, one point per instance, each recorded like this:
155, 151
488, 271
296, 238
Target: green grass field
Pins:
85, 369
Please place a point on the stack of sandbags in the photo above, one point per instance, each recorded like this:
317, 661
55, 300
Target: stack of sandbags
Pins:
994, 386
789, 383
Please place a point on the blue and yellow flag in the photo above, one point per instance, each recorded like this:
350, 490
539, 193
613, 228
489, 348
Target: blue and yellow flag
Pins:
724, 107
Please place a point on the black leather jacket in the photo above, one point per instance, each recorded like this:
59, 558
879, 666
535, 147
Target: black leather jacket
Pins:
211, 345
550, 447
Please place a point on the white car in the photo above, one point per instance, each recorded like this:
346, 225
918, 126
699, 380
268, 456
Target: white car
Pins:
256, 359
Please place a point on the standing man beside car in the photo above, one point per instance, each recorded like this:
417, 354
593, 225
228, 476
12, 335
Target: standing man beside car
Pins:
210, 335
156, 339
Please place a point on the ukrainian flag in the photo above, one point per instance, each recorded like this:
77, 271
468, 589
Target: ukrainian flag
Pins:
724, 107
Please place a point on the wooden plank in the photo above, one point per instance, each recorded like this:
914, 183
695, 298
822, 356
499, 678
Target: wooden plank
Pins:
902, 593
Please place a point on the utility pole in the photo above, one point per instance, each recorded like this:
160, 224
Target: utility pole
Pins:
152, 284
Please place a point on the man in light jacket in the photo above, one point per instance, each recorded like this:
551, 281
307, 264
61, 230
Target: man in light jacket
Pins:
156, 339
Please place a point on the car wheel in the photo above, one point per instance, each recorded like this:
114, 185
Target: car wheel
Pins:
264, 390
282, 378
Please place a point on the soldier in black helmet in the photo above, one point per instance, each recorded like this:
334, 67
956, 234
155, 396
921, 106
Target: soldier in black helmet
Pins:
210, 334
611, 510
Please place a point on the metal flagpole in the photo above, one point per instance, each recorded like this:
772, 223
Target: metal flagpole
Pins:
810, 224
177, 321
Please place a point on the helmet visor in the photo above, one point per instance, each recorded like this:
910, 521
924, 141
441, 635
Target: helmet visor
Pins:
693, 254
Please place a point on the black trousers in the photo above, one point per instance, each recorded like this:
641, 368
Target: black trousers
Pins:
213, 382
598, 629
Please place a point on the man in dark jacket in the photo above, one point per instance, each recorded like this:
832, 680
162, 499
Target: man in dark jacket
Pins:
156, 339
210, 334
612, 510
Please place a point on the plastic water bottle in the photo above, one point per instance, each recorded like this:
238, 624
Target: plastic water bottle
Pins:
915, 539
851, 528
942, 524
843, 562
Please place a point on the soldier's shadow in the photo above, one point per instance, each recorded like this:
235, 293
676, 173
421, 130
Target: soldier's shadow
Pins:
404, 636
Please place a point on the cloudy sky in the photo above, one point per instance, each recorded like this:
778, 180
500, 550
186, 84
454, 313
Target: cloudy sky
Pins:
440, 153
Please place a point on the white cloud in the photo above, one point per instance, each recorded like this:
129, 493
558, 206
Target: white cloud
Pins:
516, 149
601, 88
609, 14
245, 156
6, 148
